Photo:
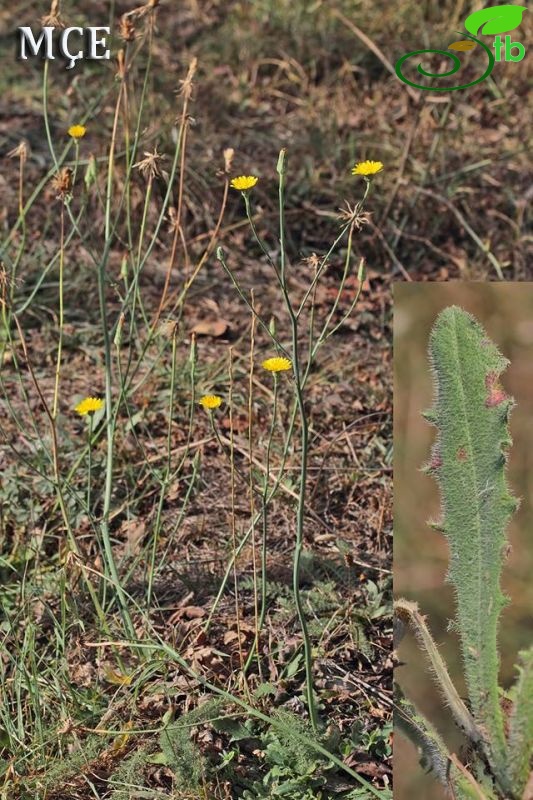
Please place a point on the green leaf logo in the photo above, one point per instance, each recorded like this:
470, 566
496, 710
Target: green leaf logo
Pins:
498, 19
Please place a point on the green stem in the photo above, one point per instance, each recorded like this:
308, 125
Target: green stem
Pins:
264, 531
166, 476
61, 311
349, 226
222, 258
110, 413
110, 427
89, 470
264, 507
304, 425
246, 196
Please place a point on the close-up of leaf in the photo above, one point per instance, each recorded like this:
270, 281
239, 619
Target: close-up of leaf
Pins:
471, 413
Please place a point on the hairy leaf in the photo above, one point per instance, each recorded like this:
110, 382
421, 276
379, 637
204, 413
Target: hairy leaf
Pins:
434, 755
409, 614
521, 731
471, 413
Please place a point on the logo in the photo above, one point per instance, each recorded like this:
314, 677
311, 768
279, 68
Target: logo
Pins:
87, 37
487, 21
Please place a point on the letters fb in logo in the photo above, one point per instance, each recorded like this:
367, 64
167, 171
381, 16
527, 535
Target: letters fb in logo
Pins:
487, 21
92, 43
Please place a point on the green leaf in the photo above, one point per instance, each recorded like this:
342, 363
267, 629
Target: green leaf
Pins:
521, 724
90, 172
432, 751
234, 727
498, 19
468, 461
265, 689
293, 666
157, 758
134, 420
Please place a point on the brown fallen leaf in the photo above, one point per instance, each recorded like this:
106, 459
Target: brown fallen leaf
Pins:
211, 327
133, 530
192, 612
240, 423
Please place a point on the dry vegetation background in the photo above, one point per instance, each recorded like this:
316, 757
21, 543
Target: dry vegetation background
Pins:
297, 74
314, 78
506, 312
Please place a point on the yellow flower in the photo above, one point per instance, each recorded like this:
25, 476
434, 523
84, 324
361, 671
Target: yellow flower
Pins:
89, 406
277, 364
77, 131
210, 401
244, 182
367, 168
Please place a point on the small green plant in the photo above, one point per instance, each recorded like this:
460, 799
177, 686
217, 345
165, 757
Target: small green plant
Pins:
471, 413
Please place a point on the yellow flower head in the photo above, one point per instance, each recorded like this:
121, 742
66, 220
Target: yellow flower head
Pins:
89, 406
210, 401
277, 364
77, 131
367, 168
244, 182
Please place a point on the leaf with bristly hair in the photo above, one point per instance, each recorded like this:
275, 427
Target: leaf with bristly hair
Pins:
521, 725
433, 753
471, 413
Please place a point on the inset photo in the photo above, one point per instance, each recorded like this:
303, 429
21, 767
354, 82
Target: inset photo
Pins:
463, 494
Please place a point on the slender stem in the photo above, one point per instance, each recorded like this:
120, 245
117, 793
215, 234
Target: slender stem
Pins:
222, 258
110, 414
61, 309
182, 140
89, 468
246, 196
166, 476
234, 509
57, 476
348, 226
264, 505
304, 426
110, 426
257, 620
264, 533
321, 268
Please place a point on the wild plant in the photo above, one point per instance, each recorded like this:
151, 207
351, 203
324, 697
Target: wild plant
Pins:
471, 413
70, 577
292, 358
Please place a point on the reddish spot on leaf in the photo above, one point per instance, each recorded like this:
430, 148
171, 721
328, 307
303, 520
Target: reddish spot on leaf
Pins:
495, 395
